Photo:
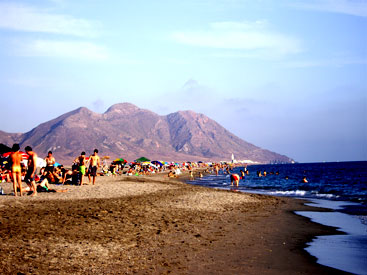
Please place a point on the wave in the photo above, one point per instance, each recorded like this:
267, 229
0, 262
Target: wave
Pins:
327, 196
290, 193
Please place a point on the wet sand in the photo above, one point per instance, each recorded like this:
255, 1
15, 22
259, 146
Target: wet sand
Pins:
154, 225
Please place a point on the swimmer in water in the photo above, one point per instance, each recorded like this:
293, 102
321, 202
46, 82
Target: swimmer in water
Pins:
242, 174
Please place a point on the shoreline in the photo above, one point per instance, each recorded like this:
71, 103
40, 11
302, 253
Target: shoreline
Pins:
154, 224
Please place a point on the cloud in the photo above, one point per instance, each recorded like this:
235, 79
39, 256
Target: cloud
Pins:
98, 105
332, 62
249, 39
64, 49
28, 19
350, 7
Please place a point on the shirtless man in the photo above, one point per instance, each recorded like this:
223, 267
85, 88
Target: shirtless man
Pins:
81, 162
16, 158
31, 171
94, 164
50, 161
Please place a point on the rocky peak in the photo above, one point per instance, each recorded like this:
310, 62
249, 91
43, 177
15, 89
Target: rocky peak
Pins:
123, 108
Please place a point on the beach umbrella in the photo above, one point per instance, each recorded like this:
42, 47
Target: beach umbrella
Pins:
40, 162
157, 162
121, 160
142, 159
24, 155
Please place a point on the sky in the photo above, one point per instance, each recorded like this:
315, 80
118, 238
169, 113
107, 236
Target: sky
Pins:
289, 76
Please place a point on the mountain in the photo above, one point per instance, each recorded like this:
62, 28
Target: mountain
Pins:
127, 131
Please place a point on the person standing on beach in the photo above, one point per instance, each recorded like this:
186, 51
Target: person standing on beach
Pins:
31, 171
81, 166
16, 169
50, 161
216, 168
94, 163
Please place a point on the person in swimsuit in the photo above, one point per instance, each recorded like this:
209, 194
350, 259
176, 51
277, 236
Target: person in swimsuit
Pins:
216, 168
235, 178
31, 171
94, 163
81, 162
16, 169
242, 174
191, 175
50, 161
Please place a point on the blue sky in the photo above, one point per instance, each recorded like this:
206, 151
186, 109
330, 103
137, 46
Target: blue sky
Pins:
288, 76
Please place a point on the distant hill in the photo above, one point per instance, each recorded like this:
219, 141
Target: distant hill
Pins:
127, 131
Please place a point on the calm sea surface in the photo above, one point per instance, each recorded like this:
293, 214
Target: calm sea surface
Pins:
340, 186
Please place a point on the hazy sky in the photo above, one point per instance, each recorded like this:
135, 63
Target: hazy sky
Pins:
286, 75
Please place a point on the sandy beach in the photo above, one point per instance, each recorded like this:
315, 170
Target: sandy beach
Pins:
154, 225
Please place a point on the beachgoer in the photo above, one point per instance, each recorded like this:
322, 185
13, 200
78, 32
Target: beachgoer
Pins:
304, 180
171, 174
216, 168
16, 158
81, 166
4, 175
44, 186
113, 168
31, 170
242, 174
50, 161
235, 178
94, 163
178, 171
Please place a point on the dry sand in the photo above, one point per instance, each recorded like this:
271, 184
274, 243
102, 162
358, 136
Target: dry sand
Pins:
154, 225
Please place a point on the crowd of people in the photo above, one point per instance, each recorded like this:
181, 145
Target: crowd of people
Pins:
38, 181
54, 173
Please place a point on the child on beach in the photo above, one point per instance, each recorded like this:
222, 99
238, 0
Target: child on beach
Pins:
81, 166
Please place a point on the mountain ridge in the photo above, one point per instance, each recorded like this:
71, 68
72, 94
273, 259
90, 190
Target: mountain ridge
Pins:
125, 130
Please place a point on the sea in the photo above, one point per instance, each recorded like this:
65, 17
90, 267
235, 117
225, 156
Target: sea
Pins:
338, 186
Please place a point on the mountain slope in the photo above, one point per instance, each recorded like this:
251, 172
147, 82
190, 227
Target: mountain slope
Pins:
127, 131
